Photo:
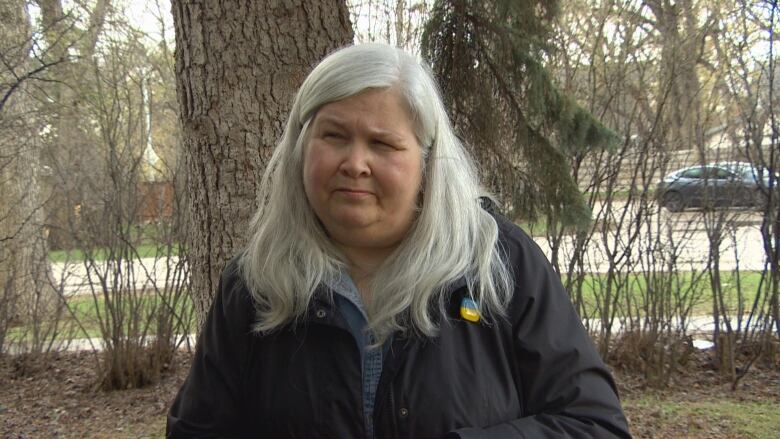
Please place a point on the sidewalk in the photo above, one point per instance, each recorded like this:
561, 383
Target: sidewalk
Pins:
143, 273
96, 344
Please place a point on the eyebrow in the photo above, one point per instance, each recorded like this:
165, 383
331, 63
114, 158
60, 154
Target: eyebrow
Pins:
338, 122
330, 119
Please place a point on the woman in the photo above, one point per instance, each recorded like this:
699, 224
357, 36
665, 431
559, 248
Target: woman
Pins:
377, 298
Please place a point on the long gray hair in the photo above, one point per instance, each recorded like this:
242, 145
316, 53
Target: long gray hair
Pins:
289, 254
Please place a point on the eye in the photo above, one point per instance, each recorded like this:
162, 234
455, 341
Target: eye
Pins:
385, 145
332, 135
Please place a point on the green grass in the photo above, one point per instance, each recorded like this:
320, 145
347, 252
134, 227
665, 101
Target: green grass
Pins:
758, 419
101, 254
594, 286
86, 308
149, 240
85, 311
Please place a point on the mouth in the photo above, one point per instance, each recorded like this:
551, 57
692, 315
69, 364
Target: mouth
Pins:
353, 192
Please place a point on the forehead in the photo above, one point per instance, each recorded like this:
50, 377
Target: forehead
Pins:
374, 106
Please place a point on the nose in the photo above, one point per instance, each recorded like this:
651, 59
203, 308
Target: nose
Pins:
355, 163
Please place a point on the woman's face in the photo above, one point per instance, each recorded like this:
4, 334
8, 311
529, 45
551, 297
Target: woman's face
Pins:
362, 169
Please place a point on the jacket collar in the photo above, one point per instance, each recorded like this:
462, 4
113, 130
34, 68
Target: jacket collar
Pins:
322, 307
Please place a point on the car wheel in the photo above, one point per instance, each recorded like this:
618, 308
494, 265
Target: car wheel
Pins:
673, 201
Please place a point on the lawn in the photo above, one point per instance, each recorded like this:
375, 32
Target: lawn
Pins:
710, 416
684, 288
85, 309
101, 254
149, 240
88, 311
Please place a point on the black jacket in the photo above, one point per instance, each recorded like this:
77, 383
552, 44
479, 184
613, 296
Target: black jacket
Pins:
535, 374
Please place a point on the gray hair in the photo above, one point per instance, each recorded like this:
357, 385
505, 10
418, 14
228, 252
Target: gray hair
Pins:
289, 254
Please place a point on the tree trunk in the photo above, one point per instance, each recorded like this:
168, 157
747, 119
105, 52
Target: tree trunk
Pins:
682, 42
70, 156
238, 66
25, 291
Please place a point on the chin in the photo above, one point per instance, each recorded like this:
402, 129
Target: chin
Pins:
354, 218
358, 225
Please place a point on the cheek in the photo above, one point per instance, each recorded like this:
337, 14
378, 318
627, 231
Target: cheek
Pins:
414, 171
312, 182
308, 174
406, 176
314, 169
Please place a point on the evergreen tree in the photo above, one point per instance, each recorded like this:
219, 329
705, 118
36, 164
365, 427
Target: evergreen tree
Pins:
488, 58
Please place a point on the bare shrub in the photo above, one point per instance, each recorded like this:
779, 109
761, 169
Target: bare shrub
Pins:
123, 221
641, 276
656, 356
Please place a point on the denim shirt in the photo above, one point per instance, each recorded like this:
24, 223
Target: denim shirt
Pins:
348, 302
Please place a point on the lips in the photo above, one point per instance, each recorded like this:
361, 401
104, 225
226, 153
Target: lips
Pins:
353, 192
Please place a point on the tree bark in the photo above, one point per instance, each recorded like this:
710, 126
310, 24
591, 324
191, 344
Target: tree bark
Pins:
682, 43
238, 66
25, 291
70, 156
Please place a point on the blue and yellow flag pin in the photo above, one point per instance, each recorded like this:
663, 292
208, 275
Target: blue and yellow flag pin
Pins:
469, 310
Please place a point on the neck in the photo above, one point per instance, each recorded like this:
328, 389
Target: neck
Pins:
363, 264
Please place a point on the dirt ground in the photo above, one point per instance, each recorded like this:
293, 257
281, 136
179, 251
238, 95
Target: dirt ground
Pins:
55, 398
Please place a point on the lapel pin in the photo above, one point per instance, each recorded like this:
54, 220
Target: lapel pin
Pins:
469, 310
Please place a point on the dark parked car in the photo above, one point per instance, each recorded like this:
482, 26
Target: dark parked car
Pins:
729, 184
